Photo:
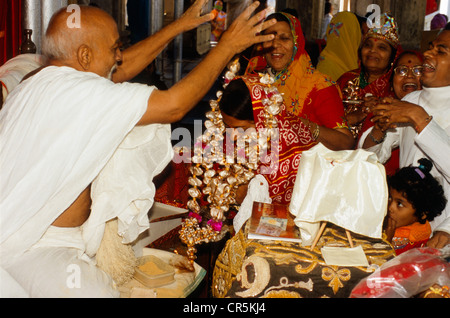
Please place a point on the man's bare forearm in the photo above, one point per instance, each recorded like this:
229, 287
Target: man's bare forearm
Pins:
185, 94
139, 56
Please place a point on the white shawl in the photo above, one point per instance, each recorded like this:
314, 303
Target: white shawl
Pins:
60, 131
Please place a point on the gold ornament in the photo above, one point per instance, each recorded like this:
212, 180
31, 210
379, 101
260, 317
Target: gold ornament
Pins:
217, 176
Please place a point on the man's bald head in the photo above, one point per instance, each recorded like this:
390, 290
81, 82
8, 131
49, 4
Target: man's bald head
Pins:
62, 41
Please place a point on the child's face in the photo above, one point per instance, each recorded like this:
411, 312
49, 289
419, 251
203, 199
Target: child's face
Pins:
400, 210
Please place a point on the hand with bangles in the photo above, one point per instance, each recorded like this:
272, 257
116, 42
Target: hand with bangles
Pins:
389, 113
356, 114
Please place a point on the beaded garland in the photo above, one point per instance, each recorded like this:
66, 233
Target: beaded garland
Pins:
218, 176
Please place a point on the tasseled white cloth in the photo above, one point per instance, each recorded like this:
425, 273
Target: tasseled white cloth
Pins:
115, 258
122, 195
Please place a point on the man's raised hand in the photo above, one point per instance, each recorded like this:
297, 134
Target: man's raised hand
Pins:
246, 30
193, 17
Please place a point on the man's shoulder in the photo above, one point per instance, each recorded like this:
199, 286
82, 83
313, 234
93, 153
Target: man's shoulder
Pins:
32, 73
56, 74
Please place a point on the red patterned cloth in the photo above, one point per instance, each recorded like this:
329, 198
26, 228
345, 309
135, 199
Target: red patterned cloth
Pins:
294, 138
174, 190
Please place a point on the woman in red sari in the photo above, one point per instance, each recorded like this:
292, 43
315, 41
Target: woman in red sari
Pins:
308, 94
373, 79
378, 52
242, 107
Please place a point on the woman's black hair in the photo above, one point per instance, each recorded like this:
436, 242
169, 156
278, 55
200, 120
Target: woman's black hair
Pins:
291, 11
361, 20
421, 189
328, 7
280, 17
236, 101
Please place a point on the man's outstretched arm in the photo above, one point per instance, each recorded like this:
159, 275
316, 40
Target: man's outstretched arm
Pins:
171, 105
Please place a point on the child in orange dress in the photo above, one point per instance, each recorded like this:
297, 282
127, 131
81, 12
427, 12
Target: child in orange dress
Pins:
415, 199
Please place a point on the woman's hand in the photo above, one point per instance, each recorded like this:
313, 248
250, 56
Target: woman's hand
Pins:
356, 117
359, 114
369, 102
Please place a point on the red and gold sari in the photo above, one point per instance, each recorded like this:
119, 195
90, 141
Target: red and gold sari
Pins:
294, 138
307, 92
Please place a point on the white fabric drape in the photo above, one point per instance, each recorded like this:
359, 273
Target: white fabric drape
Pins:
60, 131
347, 188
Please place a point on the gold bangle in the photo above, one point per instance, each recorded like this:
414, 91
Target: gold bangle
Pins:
315, 134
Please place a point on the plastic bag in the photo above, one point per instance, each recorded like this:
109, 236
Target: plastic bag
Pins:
406, 275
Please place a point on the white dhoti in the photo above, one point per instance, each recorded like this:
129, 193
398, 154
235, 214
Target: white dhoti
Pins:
61, 131
68, 271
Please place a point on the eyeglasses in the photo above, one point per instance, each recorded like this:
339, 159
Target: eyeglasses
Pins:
403, 70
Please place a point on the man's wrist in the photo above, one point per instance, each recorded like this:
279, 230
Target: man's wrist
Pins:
377, 135
226, 49
177, 27
419, 118
422, 123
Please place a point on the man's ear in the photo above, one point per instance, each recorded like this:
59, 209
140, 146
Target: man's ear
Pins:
84, 56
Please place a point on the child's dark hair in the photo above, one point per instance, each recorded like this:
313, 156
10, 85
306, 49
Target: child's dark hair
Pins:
236, 101
421, 189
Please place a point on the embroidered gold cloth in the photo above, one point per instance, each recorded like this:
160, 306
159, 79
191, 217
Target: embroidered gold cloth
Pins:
275, 269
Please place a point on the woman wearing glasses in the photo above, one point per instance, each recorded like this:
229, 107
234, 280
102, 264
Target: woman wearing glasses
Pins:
407, 73
405, 79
